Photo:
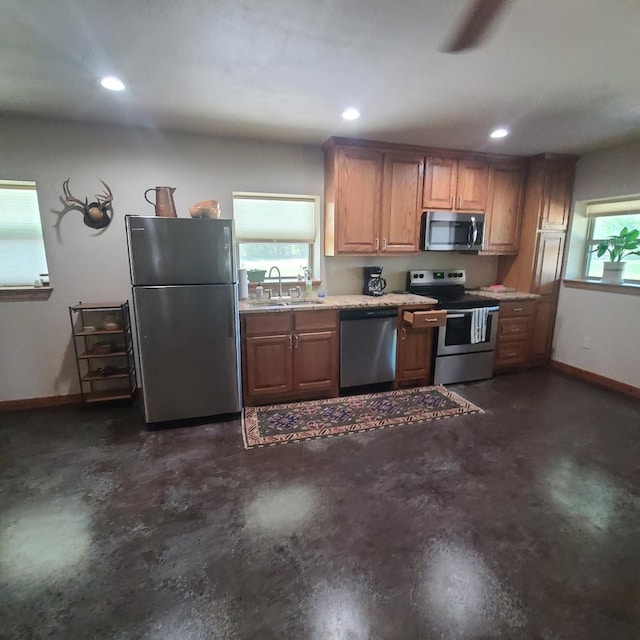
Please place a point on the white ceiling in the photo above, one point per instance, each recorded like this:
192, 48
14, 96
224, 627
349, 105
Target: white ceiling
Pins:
561, 74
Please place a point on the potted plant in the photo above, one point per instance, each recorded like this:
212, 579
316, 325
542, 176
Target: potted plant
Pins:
618, 247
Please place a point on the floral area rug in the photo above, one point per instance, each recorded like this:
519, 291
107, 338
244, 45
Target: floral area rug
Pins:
275, 424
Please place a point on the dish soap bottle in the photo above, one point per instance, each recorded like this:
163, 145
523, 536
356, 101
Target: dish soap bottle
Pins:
308, 288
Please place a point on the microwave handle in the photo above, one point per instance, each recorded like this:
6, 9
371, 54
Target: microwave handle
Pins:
473, 233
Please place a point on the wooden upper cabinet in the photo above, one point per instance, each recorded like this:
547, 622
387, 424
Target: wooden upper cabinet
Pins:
557, 196
472, 185
548, 264
440, 180
458, 184
358, 183
373, 200
401, 202
505, 197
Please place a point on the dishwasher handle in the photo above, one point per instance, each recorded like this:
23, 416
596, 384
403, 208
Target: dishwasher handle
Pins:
368, 314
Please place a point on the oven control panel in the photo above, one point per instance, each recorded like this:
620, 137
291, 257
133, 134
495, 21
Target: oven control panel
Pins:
437, 276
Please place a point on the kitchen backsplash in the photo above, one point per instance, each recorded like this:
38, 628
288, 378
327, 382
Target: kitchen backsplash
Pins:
344, 273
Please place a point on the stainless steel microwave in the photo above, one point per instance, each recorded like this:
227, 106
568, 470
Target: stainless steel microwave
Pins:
451, 231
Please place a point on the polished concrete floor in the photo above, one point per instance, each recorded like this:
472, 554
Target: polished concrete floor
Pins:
522, 522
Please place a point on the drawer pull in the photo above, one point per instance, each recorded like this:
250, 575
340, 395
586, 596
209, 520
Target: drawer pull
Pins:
518, 309
511, 354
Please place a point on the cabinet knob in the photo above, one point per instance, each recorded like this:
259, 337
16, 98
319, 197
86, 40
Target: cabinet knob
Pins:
404, 333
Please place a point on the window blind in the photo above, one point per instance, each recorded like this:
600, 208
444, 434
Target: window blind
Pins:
613, 207
22, 256
273, 219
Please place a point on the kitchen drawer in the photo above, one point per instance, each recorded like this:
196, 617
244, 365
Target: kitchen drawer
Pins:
268, 323
515, 327
518, 308
511, 353
316, 319
425, 319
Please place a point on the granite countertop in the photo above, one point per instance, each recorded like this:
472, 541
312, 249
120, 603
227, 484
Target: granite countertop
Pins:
505, 296
338, 302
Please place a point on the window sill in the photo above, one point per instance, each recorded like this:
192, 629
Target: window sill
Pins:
8, 294
628, 288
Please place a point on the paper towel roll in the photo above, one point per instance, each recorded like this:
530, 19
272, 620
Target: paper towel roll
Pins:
243, 284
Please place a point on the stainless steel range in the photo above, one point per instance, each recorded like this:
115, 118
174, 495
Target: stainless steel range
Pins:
467, 342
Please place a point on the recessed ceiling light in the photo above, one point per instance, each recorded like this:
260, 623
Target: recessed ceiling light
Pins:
351, 114
112, 83
500, 133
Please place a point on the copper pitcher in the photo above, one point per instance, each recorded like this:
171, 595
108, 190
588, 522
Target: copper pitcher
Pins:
164, 204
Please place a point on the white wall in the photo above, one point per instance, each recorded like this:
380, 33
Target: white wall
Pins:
344, 273
36, 353
35, 348
610, 320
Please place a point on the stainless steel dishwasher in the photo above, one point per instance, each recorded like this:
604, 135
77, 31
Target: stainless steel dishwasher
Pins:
367, 346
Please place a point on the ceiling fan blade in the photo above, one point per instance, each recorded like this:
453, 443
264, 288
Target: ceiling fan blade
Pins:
475, 25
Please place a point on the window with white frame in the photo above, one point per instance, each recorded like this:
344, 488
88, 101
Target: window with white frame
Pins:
608, 219
22, 256
276, 230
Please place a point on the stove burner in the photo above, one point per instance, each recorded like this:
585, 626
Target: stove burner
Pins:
447, 286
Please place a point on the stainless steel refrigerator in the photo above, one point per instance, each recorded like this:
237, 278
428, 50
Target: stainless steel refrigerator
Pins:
186, 308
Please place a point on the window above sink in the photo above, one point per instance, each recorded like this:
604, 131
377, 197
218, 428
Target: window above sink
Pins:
277, 230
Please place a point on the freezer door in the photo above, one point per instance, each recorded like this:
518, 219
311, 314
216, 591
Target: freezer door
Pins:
175, 251
188, 346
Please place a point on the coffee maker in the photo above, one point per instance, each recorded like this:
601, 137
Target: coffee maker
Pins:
374, 283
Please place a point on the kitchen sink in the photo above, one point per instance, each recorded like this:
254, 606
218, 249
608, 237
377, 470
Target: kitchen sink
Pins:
298, 303
274, 303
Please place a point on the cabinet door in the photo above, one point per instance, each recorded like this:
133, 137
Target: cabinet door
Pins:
414, 355
504, 208
401, 202
557, 196
440, 179
543, 330
269, 365
359, 182
471, 194
316, 361
548, 262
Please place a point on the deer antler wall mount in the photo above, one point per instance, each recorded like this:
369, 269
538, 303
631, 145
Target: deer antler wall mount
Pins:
96, 214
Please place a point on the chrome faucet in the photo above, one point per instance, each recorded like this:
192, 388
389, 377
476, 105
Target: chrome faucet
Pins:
279, 280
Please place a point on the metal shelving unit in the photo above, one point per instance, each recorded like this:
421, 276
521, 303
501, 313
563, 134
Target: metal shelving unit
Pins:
104, 356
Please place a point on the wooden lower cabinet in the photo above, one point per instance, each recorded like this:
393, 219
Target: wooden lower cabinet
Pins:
315, 361
542, 338
515, 332
415, 344
268, 365
289, 355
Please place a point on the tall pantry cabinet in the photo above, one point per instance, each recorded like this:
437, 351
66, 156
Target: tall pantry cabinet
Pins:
537, 266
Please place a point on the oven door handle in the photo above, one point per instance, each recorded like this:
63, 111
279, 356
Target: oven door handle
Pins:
461, 312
